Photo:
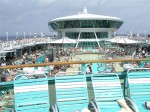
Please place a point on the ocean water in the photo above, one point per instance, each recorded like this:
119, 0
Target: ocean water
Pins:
4, 38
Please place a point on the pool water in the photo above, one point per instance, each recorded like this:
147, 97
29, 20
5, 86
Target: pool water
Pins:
99, 67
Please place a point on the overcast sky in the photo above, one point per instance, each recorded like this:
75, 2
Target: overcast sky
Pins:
33, 15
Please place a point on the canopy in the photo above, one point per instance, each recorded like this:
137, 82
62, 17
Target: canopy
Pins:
148, 43
29, 44
64, 40
113, 40
123, 40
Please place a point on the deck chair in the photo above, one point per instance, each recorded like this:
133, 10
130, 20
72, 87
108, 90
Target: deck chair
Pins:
71, 93
108, 93
139, 87
6, 100
31, 95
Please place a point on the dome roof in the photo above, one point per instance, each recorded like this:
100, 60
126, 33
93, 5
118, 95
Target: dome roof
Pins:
84, 15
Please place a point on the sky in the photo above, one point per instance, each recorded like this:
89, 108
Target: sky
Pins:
32, 16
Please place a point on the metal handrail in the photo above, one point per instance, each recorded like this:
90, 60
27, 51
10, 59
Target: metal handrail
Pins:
72, 62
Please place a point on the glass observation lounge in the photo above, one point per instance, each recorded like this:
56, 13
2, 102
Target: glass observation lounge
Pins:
88, 29
85, 24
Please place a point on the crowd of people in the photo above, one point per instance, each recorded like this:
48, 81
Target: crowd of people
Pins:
23, 41
40, 56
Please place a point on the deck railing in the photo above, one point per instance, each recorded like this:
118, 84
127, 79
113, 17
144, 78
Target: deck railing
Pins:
73, 62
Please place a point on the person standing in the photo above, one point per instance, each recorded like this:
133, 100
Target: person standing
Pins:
88, 69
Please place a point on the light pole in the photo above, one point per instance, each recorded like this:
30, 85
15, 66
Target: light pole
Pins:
30, 35
7, 36
145, 33
34, 34
17, 35
41, 34
139, 33
24, 35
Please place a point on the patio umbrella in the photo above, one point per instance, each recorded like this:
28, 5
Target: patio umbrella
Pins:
113, 40
123, 40
64, 40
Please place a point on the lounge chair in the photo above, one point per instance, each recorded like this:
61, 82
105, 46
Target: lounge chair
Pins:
6, 100
31, 95
108, 93
71, 93
139, 87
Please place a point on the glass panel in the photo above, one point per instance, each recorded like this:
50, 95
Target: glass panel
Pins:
85, 24
72, 35
87, 45
102, 35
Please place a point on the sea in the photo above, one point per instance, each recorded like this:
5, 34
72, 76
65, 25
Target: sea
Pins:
4, 38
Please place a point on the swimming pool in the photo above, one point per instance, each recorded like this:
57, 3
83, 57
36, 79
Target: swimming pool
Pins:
98, 68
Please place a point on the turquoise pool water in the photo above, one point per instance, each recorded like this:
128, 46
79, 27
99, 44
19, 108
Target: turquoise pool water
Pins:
98, 67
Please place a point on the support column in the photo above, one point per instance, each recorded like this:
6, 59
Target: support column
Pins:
96, 39
15, 53
78, 39
110, 34
148, 39
63, 34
